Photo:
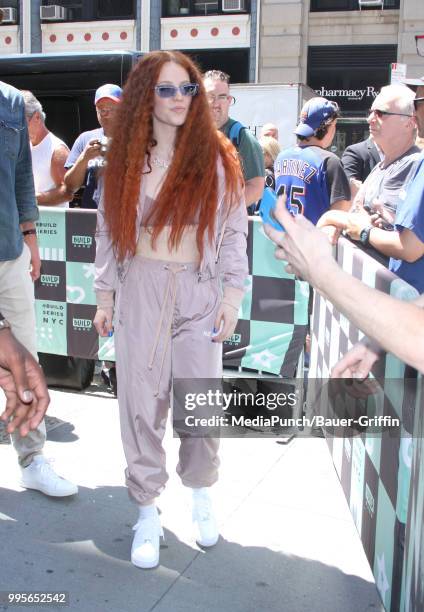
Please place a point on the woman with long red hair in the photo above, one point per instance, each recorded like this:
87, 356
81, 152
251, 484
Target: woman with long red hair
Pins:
170, 269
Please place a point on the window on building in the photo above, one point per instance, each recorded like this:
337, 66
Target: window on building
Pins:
185, 8
90, 10
234, 62
115, 9
351, 75
74, 8
206, 7
346, 5
14, 4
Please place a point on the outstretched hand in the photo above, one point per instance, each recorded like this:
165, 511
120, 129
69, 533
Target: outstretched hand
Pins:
353, 369
358, 362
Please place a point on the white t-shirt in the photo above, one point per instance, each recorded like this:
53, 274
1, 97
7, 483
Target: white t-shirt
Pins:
42, 154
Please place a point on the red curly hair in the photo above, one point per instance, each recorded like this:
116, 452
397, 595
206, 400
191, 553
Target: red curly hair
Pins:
190, 189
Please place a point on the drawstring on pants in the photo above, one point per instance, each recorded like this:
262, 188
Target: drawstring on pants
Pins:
170, 292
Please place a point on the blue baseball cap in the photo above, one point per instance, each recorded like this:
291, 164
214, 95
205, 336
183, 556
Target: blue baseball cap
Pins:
113, 92
315, 112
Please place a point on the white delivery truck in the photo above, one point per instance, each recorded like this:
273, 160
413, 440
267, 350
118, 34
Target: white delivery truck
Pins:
278, 103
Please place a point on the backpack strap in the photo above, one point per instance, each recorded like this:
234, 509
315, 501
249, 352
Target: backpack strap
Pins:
234, 133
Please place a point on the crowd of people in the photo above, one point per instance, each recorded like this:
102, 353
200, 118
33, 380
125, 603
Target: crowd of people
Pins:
385, 206
171, 244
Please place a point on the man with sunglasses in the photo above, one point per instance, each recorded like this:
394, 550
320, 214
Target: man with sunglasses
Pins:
251, 157
86, 156
393, 191
393, 129
409, 221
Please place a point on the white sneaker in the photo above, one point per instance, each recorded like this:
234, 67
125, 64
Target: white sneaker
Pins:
204, 519
145, 546
40, 475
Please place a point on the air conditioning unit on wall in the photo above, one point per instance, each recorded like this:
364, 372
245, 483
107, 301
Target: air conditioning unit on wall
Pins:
233, 6
10, 15
52, 13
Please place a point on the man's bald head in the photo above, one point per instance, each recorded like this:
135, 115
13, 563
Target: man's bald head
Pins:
269, 129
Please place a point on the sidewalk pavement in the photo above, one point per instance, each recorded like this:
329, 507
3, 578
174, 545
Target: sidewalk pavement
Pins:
288, 541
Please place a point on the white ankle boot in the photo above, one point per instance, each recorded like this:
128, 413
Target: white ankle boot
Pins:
148, 531
204, 519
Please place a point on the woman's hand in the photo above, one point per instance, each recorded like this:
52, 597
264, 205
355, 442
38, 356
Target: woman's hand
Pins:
227, 315
103, 321
225, 322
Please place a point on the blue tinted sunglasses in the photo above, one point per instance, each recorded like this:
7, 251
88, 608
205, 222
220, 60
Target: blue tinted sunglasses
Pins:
170, 91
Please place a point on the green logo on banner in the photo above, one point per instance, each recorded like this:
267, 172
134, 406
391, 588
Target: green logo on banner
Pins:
52, 235
234, 339
51, 327
50, 280
268, 344
82, 324
79, 283
82, 241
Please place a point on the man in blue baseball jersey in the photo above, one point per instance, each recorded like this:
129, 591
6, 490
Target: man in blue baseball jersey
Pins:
313, 178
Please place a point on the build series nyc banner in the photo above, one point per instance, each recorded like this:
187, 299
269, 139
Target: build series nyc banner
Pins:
272, 320
65, 299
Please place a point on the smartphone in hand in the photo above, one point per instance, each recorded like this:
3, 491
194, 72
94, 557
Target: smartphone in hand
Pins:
267, 207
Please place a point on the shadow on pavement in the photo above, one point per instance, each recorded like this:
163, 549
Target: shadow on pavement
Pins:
57, 431
82, 545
